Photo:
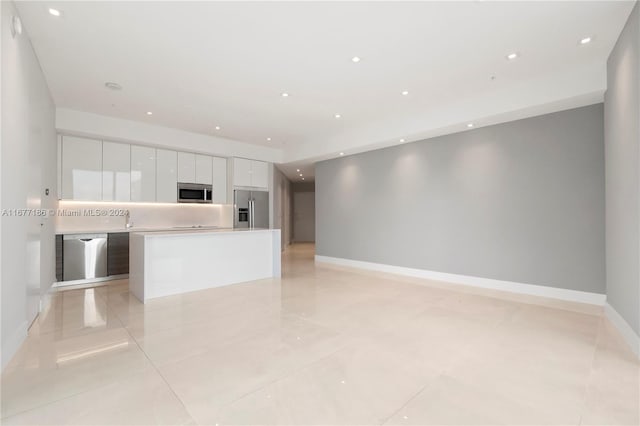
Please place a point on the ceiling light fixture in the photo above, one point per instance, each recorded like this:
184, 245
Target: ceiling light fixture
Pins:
149, 113
300, 174
512, 56
285, 95
342, 153
355, 59
217, 127
405, 92
401, 140
54, 12
585, 40
298, 170
113, 86
268, 139
470, 125
337, 116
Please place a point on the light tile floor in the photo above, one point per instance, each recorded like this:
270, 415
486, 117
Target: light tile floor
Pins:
323, 345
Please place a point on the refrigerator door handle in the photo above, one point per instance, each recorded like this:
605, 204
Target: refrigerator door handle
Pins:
250, 213
253, 213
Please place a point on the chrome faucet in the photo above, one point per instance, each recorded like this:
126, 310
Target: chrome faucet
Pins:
127, 216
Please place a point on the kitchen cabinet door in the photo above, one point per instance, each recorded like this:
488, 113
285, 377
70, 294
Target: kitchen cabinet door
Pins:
116, 171
143, 173
186, 167
204, 164
166, 176
260, 174
219, 180
81, 169
117, 253
241, 172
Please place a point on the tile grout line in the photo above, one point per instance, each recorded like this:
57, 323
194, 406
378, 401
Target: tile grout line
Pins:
591, 372
407, 402
156, 369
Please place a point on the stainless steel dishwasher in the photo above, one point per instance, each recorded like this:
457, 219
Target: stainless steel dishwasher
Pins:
85, 256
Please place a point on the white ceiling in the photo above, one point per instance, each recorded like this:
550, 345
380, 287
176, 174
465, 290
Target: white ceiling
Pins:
196, 65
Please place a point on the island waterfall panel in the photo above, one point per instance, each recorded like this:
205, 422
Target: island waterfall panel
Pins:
175, 262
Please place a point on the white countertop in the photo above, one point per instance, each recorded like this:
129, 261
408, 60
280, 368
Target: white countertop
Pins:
198, 231
134, 229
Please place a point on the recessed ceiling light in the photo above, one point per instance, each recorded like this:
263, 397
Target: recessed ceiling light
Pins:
405, 92
585, 40
302, 178
300, 174
298, 170
470, 125
54, 12
113, 86
401, 140
217, 127
268, 139
149, 113
512, 56
337, 116
355, 59
342, 153
285, 95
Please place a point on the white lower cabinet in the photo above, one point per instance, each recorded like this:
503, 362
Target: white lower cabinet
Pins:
81, 169
143, 173
166, 176
116, 171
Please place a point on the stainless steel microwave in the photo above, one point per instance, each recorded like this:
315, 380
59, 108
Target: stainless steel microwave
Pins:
194, 193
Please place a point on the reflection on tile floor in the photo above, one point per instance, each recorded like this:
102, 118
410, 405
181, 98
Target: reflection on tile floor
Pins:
323, 345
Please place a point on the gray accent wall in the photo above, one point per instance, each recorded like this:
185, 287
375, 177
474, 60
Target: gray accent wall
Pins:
622, 147
521, 201
304, 217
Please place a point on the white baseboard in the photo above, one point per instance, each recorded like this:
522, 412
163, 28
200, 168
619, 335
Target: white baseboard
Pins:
630, 336
487, 283
11, 345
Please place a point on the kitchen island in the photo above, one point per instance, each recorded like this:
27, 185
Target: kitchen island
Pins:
164, 263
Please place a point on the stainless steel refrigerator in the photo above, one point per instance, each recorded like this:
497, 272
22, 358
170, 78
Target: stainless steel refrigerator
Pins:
250, 209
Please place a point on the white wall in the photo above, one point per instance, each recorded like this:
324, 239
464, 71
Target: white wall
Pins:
116, 129
28, 158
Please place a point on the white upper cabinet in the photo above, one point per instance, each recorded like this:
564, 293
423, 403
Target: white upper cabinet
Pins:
94, 170
219, 180
81, 169
166, 176
186, 167
143, 173
241, 172
204, 164
260, 174
116, 171
250, 173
